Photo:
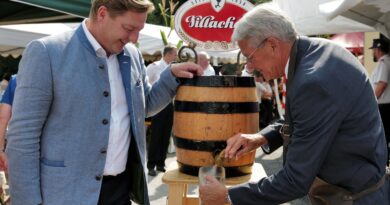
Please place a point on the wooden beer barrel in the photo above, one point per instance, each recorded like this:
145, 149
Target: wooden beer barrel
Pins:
208, 111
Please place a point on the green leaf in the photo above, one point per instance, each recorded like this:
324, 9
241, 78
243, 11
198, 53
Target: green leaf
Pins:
179, 44
164, 38
163, 14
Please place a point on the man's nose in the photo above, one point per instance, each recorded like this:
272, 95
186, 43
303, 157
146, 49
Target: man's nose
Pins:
133, 37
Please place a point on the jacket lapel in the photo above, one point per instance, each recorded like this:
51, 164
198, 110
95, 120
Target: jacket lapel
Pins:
125, 68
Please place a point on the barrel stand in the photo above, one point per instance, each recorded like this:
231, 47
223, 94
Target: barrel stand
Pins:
178, 183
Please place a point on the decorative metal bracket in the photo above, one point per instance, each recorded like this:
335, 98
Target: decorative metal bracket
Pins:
239, 66
184, 53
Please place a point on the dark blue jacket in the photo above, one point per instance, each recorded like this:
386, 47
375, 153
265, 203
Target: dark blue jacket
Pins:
337, 131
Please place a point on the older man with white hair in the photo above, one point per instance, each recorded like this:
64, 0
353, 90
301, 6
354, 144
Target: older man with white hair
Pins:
204, 62
333, 130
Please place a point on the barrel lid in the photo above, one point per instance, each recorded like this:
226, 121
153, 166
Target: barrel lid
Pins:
219, 81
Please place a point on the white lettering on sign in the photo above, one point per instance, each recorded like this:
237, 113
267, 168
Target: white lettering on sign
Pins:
208, 22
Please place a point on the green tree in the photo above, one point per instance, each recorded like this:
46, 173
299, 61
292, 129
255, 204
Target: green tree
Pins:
158, 17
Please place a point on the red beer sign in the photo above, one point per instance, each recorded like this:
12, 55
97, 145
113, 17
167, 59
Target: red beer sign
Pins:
210, 23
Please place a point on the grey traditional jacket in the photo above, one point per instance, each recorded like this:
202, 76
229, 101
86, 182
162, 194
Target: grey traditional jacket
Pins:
60, 113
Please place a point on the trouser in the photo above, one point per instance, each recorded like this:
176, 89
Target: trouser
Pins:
159, 140
115, 190
384, 110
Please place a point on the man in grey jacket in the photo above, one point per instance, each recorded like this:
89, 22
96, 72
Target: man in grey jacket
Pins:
77, 131
335, 131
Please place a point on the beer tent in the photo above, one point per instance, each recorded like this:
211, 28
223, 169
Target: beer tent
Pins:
373, 13
307, 19
42, 11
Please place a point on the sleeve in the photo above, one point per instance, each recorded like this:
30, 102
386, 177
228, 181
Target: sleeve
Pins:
384, 72
316, 119
158, 95
272, 134
161, 93
33, 98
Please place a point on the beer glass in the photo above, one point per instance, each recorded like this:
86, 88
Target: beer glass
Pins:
214, 171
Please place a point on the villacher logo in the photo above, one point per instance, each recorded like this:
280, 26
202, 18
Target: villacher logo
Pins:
210, 23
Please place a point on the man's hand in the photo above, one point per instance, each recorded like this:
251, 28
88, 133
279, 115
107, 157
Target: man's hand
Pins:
240, 144
186, 70
213, 192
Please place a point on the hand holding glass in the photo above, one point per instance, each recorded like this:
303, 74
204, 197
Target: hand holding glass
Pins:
217, 172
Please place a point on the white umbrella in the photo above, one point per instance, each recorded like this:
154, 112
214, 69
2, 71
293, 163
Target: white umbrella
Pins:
374, 13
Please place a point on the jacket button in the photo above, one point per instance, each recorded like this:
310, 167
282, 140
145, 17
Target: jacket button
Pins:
106, 93
101, 66
103, 151
98, 177
105, 121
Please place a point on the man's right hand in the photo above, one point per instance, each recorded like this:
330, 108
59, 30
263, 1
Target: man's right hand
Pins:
186, 70
240, 144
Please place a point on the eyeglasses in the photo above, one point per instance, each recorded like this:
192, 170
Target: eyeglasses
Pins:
250, 56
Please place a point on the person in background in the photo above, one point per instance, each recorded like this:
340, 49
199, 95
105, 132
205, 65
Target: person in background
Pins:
334, 142
204, 62
5, 116
380, 80
4, 83
77, 134
247, 71
161, 122
154, 69
264, 92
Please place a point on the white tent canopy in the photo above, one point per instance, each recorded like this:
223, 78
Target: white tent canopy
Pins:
374, 13
309, 20
13, 39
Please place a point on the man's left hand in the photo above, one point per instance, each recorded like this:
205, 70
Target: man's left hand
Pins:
213, 192
186, 70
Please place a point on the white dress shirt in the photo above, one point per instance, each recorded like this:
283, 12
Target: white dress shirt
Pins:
119, 135
245, 73
154, 70
382, 74
209, 71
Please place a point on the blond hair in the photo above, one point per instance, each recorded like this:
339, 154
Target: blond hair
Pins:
119, 7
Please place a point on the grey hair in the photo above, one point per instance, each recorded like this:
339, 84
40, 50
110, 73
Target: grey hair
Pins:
262, 22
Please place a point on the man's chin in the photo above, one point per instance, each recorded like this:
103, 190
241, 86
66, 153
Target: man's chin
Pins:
118, 50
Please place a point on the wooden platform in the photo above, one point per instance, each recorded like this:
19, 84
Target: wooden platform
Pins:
178, 184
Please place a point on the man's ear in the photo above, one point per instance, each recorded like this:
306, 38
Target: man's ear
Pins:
273, 42
102, 13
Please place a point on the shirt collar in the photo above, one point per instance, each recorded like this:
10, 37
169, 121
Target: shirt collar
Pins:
95, 44
286, 68
165, 64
